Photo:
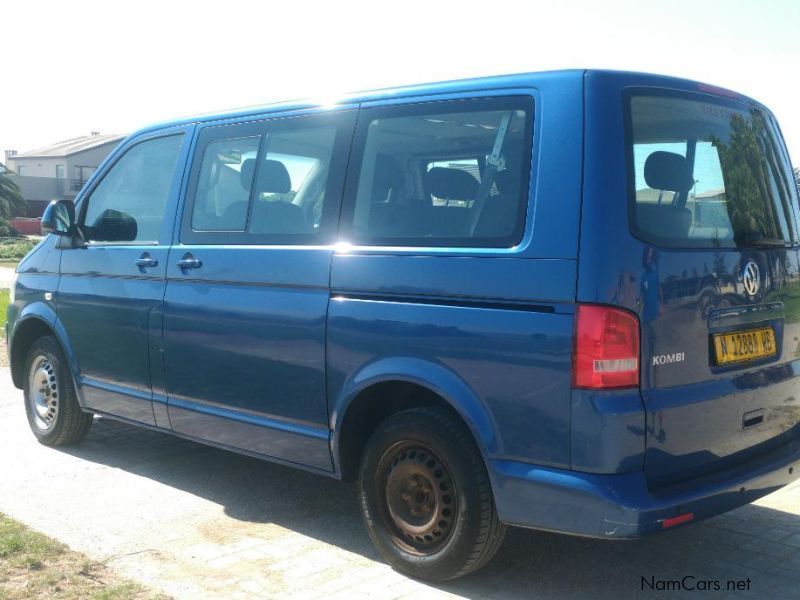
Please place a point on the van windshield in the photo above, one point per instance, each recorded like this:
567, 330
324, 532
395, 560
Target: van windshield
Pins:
707, 174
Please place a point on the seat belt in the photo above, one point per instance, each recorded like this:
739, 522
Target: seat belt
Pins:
494, 163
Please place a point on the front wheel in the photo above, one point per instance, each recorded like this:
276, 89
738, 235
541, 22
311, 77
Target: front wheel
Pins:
426, 497
54, 415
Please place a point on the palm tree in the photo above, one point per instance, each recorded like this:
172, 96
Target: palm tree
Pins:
11, 201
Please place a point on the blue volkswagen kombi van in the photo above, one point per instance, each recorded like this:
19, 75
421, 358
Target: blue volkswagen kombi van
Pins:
566, 301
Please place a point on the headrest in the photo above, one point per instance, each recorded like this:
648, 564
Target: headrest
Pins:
274, 216
451, 184
663, 220
246, 173
273, 178
668, 171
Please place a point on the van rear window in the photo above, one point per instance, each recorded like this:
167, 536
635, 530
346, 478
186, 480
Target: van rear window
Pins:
707, 174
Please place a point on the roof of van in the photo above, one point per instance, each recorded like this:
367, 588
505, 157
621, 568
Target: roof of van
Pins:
433, 88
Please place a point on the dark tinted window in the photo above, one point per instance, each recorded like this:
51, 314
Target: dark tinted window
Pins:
276, 181
443, 174
290, 181
224, 185
707, 174
129, 202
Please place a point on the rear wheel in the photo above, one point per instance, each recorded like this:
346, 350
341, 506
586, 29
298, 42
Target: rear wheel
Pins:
54, 415
426, 498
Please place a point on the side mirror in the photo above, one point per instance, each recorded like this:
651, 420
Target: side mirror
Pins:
59, 218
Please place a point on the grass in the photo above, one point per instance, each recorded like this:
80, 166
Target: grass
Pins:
35, 566
3, 307
13, 249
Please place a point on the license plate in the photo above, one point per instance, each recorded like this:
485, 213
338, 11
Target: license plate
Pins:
739, 346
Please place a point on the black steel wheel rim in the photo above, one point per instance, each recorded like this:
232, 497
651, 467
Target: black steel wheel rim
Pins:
419, 503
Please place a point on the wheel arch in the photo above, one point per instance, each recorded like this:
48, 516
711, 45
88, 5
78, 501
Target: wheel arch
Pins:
36, 320
391, 385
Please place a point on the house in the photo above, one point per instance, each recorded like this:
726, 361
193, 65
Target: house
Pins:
58, 171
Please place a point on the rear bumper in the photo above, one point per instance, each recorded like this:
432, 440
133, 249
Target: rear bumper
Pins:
622, 506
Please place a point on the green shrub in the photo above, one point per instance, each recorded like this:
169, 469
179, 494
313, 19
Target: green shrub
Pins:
7, 231
15, 248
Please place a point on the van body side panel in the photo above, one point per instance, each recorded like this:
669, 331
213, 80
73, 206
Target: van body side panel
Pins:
493, 279
245, 349
557, 162
514, 356
515, 362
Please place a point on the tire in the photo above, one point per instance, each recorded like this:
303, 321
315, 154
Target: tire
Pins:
54, 415
426, 498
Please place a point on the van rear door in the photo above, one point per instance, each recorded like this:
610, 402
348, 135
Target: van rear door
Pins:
709, 264
689, 220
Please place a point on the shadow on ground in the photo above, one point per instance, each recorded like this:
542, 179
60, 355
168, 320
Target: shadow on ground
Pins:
529, 563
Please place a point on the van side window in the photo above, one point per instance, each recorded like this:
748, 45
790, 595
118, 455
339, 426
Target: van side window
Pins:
223, 189
290, 181
274, 181
451, 173
129, 202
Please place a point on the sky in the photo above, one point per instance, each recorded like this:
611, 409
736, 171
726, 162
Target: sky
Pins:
70, 68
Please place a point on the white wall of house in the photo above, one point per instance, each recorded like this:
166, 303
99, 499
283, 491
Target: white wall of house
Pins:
37, 167
46, 166
88, 158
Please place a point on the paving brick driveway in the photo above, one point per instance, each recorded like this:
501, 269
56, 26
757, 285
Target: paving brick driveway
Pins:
203, 523
6, 275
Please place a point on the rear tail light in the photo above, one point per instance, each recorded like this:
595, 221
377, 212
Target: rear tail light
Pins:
606, 348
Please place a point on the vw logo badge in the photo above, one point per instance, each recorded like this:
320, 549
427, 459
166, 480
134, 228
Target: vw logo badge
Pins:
751, 278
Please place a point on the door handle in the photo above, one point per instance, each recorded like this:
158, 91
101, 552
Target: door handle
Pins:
189, 262
145, 261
